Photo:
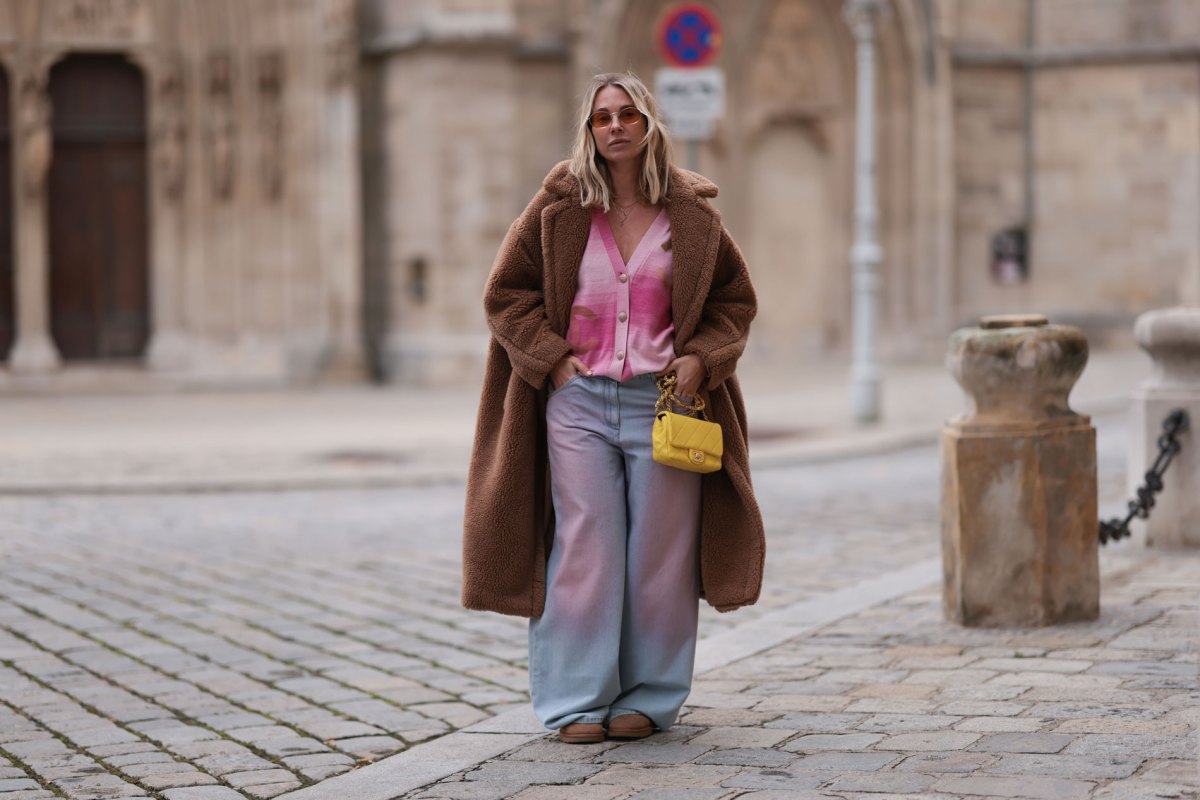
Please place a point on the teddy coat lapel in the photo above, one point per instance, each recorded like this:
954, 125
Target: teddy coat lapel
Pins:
695, 235
565, 228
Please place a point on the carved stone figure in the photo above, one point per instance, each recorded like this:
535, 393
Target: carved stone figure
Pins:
33, 125
222, 128
270, 123
170, 130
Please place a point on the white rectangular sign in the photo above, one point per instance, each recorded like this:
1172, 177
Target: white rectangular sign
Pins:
690, 93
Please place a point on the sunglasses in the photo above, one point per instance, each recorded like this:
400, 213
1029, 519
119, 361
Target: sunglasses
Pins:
627, 116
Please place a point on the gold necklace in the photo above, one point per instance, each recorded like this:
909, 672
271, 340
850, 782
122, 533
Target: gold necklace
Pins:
623, 212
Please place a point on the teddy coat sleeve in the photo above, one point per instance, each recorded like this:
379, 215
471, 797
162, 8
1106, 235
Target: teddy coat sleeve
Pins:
720, 335
514, 303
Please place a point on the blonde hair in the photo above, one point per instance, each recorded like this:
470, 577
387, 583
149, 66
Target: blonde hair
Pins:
591, 169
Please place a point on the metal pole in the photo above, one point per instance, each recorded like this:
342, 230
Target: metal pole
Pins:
865, 254
1030, 107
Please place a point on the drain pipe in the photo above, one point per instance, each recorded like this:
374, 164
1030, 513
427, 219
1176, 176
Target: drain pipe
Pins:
1030, 194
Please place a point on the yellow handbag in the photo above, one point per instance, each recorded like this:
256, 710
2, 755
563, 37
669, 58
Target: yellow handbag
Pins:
690, 443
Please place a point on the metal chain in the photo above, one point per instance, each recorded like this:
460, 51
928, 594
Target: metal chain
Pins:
1168, 446
667, 398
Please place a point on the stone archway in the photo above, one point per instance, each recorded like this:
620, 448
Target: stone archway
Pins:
797, 110
784, 156
789, 240
97, 211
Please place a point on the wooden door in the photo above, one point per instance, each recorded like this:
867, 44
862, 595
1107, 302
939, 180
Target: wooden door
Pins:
8, 277
99, 281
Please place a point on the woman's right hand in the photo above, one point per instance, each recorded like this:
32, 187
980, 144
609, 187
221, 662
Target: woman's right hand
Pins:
566, 369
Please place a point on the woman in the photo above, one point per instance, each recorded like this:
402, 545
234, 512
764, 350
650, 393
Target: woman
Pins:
619, 270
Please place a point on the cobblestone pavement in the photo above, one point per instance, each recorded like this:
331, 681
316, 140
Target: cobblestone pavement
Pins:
895, 702
203, 647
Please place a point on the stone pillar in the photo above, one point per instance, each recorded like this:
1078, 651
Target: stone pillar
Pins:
1019, 528
1172, 338
341, 194
169, 344
33, 351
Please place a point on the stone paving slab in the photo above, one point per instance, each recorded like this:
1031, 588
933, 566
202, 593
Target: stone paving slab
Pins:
525, 729
723, 749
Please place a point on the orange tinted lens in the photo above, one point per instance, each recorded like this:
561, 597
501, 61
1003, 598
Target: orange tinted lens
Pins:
629, 116
601, 119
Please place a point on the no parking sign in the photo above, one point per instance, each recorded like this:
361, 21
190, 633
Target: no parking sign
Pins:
689, 35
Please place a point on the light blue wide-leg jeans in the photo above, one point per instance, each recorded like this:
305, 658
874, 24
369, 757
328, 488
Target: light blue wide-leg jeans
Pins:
618, 634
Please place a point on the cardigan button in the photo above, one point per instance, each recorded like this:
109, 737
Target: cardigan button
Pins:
622, 316
620, 355
622, 277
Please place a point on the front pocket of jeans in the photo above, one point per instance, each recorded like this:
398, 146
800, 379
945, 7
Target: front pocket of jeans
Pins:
570, 380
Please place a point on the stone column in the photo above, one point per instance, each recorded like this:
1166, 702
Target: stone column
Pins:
1172, 338
169, 346
341, 192
34, 351
1019, 530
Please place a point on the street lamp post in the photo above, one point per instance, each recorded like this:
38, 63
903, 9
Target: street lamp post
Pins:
865, 254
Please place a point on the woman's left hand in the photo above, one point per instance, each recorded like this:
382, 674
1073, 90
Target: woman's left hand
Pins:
689, 372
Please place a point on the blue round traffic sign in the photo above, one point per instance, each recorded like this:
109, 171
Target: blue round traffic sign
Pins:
689, 35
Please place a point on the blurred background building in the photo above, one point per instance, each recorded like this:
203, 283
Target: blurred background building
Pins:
291, 190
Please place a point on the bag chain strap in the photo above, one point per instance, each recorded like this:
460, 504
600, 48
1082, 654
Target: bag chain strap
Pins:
667, 397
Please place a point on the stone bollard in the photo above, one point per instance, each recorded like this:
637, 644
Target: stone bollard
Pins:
1019, 529
1172, 338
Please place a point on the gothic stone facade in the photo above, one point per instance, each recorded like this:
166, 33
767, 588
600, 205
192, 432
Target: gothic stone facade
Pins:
286, 190
1078, 125
181, 188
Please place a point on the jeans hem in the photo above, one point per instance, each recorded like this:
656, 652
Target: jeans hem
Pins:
589, 719
623, 712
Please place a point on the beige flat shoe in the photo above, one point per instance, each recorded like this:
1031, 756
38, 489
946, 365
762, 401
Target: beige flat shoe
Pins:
581, 733
630, 726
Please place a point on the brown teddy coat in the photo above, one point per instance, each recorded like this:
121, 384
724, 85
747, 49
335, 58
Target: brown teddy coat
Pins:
509, 521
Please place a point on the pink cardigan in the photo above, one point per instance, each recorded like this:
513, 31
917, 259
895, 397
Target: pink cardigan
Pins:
621, 319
